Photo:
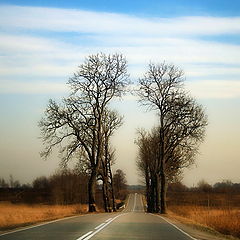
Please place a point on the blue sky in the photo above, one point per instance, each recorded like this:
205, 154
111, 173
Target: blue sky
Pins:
150, 8
43, 42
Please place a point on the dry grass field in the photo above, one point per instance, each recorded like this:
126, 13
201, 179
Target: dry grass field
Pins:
226, 221
14, 215
222, 216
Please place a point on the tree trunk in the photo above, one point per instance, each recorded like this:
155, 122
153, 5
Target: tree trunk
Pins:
148, 189
163, 206
112, 188
107, 195
157, 194
91, 192
162, 169
105, 200
151, 203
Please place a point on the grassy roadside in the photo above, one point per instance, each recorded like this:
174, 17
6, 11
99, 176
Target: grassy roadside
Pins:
18, 215
224, 221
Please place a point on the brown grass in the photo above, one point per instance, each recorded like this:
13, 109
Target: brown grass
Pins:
14, 215
223, 220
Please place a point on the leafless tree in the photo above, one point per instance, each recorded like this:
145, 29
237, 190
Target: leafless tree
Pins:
147, 163
76, 125
182, 121
111, 121
120, 184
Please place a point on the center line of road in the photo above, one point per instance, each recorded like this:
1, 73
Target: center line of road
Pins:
99, 228
108, 220
85, 235
134, 205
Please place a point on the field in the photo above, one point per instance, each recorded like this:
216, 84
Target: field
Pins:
220, 212
14, 215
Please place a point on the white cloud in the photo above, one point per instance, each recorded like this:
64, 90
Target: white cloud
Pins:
40, 87
141, 40
13, 43
38, 70
69, 20
210, 71
185, 51
25, 45
208, 89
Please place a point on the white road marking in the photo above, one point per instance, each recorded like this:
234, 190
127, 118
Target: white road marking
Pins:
99, 226
134, 205
85, 235
108, 220
179, 229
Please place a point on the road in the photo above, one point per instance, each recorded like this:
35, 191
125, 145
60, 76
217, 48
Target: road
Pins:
131, 223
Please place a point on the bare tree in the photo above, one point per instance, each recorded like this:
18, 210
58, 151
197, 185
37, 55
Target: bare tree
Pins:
147, 165
120, 184
77, 125
182, 121
111, 121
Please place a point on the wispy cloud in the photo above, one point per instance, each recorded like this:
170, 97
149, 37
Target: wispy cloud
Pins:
37, 87
208, 89
28, 49
69, 20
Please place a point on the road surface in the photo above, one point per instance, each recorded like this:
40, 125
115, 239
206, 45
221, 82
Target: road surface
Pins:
131, 223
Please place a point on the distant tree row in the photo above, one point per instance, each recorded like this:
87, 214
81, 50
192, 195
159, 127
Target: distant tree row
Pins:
59, 188
225, 186
223, 194
11, 183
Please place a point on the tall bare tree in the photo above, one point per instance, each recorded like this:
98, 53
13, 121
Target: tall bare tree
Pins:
182, 121
76, 125
111, 121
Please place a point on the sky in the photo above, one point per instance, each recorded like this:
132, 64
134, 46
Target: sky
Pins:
43, 42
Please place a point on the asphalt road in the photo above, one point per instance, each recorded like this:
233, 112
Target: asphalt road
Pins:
131, 223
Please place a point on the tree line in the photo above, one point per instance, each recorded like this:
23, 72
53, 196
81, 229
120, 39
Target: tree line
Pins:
65, 186
82, 124
225, 186
221, 195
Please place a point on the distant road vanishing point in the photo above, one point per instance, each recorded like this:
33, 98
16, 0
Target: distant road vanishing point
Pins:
131, 223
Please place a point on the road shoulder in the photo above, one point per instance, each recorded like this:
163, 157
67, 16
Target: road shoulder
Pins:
196, 230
